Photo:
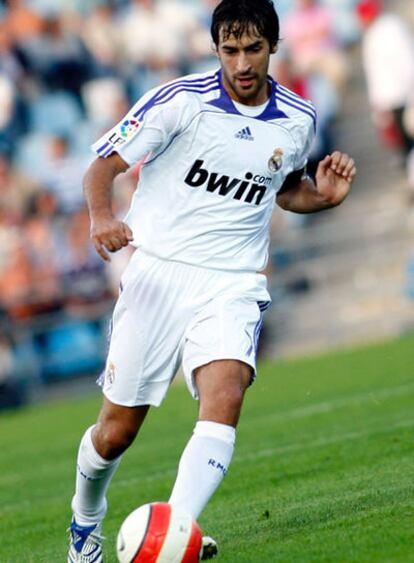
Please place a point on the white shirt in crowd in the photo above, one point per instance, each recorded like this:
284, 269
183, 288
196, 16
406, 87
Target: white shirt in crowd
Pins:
388, 58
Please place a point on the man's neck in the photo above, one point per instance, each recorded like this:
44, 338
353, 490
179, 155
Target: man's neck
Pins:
258, 100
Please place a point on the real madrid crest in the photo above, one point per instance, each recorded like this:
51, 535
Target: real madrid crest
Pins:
276, 161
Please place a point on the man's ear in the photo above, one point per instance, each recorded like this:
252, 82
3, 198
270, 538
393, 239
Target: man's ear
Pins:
273, 48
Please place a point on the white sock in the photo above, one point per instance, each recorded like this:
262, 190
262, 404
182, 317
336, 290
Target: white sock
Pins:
204, 463
94, 474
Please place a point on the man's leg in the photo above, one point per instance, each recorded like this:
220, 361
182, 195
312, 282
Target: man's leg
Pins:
99, 455
221, 386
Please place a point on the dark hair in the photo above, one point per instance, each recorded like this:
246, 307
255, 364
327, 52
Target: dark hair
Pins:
237, 17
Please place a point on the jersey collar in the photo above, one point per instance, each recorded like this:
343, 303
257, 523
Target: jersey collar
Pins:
225, 103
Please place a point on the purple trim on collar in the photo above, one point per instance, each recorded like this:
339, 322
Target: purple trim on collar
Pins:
270, 112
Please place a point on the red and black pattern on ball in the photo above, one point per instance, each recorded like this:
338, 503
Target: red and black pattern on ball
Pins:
151, 545
192, 552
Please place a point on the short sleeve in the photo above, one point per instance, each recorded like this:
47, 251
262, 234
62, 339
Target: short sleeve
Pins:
146, 129
304, 134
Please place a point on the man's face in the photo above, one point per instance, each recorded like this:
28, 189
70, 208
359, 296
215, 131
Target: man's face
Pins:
245, 64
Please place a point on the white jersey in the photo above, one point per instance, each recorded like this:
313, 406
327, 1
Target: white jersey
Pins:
210, 177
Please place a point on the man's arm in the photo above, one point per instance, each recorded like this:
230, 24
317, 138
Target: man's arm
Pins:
334, 179
107, 233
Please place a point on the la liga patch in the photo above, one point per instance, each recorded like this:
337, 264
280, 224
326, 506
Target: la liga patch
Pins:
128, 128
121, 134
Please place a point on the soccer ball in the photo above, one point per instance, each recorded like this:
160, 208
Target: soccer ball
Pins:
159, 533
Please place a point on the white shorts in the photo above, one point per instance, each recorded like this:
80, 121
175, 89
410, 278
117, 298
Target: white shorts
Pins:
170, 313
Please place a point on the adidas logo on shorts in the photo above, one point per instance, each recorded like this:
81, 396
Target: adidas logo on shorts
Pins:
245, 134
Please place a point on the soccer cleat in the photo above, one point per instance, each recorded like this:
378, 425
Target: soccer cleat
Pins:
209, 549
85, 544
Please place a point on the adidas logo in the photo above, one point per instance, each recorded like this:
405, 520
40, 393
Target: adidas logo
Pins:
245, 134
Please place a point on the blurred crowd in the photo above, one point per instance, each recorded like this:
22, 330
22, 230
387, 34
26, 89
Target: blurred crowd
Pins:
388, 62
69, 70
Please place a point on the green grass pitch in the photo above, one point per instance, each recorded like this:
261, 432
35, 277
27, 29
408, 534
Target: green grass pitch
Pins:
323, 470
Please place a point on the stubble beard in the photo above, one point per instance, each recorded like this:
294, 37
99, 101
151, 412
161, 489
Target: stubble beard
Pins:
250, 94
246, 95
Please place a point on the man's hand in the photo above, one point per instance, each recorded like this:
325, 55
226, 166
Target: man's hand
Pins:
334, 177
109, 235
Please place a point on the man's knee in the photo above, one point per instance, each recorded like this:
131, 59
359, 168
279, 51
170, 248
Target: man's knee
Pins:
229, 398
116, 429
112, 438
221, 386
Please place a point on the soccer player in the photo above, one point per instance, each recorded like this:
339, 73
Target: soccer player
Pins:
220, 149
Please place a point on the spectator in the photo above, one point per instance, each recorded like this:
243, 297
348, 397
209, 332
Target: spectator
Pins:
62, 175
10, 65
105, 102
16, 189
388, 59
144, 41
310, 37
200, 45
81, 270
58, 57
41, 236
154, 39
16, 279
13, 114
102, 37
22, 21
7, 112
28, 284
346, 23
